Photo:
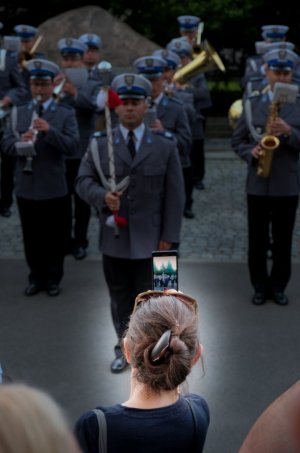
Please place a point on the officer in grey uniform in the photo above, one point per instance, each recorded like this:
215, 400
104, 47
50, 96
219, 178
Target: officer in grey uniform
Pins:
254, 63
41, 133
81, 93
12, 92
148, 198
272, 200
170, 114
92, 54
198, 87
29, 40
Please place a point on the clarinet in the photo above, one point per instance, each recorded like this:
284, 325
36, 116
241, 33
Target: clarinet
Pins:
37, 113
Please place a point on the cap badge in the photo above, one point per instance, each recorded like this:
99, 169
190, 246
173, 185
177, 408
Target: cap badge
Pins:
38, 64
282, 54
69, 41
129, 79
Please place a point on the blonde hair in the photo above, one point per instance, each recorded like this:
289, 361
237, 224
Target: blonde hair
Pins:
32, 422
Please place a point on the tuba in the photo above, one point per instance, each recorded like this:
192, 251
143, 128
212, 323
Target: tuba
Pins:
206, 60
268, 143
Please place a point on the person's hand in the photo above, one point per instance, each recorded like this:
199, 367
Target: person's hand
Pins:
164, 245
40, 125
256, 151
28, 136
157, 126
280, 127
112, 200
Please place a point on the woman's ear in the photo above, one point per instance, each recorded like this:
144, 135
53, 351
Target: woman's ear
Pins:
126, 350
198, 354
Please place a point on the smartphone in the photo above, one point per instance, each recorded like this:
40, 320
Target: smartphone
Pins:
164, 270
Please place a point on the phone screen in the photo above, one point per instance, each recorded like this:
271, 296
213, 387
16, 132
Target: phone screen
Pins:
164, 270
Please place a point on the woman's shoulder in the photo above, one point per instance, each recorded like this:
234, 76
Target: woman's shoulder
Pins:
199, 403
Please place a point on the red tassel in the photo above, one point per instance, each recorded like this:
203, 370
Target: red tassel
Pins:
120, 221
113, 99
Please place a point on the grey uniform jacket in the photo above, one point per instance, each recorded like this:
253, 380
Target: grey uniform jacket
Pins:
284, 176
153, 203
174, 119
48, 177
12, 83
86, 113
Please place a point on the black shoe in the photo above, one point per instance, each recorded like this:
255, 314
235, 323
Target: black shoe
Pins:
118, 365
199, 185
79, 253
5, 212
53, 289
32, 289
280, 298
259, 298
188, 213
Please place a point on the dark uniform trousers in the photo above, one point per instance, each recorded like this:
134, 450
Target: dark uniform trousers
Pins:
125, 278
198, 160
82, 210
282, 212
7, 180
44, 234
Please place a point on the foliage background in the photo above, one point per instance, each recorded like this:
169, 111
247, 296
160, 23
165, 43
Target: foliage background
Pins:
228, 23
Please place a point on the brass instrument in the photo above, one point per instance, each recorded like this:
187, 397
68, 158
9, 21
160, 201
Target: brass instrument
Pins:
197, 45
234, 112
26, 55
268, 143
207, 60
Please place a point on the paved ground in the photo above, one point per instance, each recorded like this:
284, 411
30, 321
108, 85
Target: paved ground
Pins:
219, 231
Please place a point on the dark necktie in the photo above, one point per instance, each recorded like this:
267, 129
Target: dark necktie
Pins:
131, 144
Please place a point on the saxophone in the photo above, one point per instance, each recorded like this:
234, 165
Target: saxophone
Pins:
268, 143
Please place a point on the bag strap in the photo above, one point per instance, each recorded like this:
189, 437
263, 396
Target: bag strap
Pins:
102, 439
194, 419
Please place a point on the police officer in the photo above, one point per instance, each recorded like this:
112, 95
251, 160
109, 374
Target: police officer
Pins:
149, 198
198, 86
80, 92
13, 91
41, 133
272, 200
92, 54
170, 114
254, 64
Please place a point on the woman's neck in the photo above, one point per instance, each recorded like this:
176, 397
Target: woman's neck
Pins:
142, 397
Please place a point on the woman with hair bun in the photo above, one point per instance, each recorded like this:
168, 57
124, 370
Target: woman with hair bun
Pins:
161, 345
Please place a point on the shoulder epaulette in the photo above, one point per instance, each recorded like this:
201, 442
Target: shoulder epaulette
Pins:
65, 106
256, 79
176, 100
165, 134
99, 134
254, 94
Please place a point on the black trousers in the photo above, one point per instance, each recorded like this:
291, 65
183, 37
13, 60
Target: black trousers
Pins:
77, 209
44, 234
275, 216
125, 279
7, 180
188, 186
198, 160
